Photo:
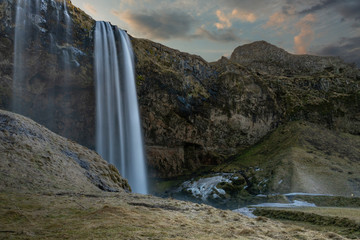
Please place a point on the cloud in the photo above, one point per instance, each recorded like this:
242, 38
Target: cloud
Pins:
347, 48
243, 15
322, 5
275, 20
351, 10
258, 6
89, 8
225, 20
303, 40
226, 35
165, 25
160, 24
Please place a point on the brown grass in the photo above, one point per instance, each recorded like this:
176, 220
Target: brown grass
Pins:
126, 216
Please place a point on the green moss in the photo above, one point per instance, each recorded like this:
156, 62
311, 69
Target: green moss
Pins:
140, 79
80, 18
265, 151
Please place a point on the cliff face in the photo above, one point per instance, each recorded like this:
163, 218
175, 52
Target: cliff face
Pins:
194, 113
201, 112
205, 112
57, 96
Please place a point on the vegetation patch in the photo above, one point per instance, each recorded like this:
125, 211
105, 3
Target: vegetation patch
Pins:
333, 217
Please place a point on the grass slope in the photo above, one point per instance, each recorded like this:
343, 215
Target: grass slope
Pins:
129, 216
304, 157
344, 221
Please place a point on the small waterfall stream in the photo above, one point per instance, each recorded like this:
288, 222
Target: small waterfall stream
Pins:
25, 10
118, 127
43, 28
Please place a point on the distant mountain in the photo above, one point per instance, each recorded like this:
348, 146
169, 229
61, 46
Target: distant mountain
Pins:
270, 59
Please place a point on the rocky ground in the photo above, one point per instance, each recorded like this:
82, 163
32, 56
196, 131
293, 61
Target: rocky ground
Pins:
52, 188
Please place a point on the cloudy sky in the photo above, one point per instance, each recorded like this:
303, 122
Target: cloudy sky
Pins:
213, 28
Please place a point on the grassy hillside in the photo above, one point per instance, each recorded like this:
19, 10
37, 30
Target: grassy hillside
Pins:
303, 157
127, 216
345, 221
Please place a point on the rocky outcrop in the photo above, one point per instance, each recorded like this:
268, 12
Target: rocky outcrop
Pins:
269, 59
204, 112
194, 113
34, 159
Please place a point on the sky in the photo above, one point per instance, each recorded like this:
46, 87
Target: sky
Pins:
213, 29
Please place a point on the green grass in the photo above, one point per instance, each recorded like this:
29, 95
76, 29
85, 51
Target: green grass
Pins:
266, 151
344, 221
301, 157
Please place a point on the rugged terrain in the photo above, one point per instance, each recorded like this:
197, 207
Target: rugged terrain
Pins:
195, 114
273, 121
52, 188
204, 113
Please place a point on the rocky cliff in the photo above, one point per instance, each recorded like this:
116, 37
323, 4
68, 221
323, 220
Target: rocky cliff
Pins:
194, 113
197, 113
57, 96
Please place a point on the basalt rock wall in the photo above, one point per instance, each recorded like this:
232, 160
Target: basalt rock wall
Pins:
57, 96
194, 113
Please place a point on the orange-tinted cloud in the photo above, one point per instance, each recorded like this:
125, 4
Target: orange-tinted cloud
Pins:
303, 40
243, 15
225, 20
89, 8
275, 20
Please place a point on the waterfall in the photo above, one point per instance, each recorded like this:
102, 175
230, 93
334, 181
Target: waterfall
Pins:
25, 10
42, 28
118, 127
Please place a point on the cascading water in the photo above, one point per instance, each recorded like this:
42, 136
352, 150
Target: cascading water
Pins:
118, 127
25, 10
43, 28
67, 40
